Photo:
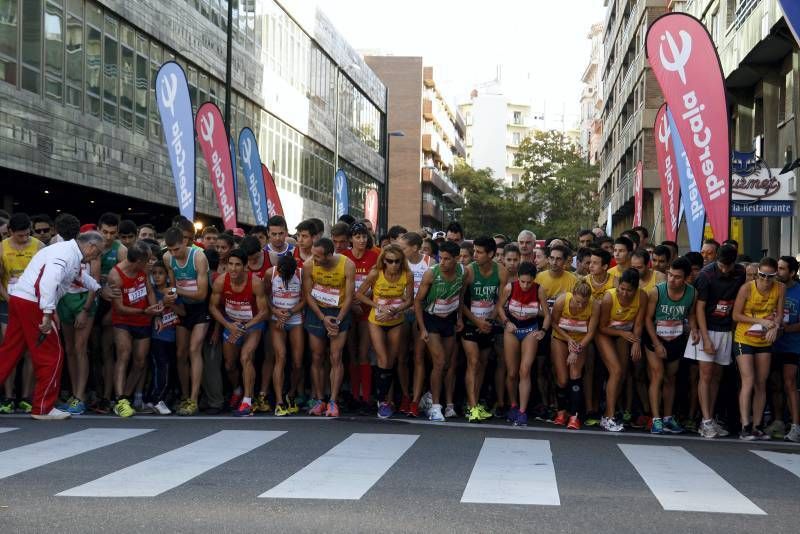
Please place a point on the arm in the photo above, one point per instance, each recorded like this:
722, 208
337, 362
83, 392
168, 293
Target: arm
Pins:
349, 286
213, 305
366, 285
261, 301
116, 302
694, 332
419, 300
311, 302
408, 296
738, 308
636, 346
652, 300
459, 316
702, 325
505, 293
772, 333
545, 311
593, 319
3, 290
122, 253
605, 318
558, 309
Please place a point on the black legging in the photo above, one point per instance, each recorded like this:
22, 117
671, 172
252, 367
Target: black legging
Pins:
162, 354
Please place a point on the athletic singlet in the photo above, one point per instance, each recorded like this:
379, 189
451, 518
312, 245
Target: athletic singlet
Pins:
418, 270
274, 255
186, 275
599, 290
616, 272
671, 315
134, 295
790, 342
442, 298
553, 287
298, 258
522, 307
109, 259
483, 291
576, 325
650, 283
622, 317
758, 306
363, 265
387, 293
329, 284
265, 266
287, 296
15, 261
240, 306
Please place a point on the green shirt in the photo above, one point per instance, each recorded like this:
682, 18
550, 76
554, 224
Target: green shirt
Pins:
442, 298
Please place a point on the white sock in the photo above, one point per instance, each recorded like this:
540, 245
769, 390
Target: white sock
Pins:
247, 400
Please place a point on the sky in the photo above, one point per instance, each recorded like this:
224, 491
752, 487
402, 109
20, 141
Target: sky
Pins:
540, 45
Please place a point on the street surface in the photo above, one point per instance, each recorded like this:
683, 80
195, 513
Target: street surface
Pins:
213, 474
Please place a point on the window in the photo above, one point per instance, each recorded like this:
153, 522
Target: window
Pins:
517, 117
730, 13
54, 51
714, 29
515, 138
142, 84
155, 63
127, 76
94, 63
8, 41
110, 70
32, 46
74, 65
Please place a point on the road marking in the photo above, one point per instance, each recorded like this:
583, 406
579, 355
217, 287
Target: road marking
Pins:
166, 471
41, 453
513, 471
682, 482
7, 429
790, 462
347, 471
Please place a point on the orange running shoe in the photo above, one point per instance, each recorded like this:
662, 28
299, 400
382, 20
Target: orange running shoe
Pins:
574, 423
318, 408
561, 418
333, 410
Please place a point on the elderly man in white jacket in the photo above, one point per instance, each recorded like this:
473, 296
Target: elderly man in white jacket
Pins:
31, 319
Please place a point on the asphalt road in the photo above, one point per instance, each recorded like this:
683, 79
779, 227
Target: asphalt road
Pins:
150, 474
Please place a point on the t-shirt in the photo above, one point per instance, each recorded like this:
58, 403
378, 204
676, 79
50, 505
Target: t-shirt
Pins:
719, 292
553, 287
791, 315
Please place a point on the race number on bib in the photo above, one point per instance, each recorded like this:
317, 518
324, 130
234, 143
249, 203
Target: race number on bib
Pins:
239, 311
285, 299
626, 326
723, 308
756, 330
187, 285
393, 302
359, 280
523, 311
445, 306
169, 318
329, 296
578, 326
136, 294
481, 309
669, 329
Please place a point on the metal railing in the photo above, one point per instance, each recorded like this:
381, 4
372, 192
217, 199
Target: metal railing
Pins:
743, 10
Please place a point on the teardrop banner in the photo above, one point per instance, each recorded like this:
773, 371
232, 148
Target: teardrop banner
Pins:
213, 140
791, 11
253, 174
175, 111
690, 196
687, 67
371, 207
274, 206
638, 194
341, 193
670, 187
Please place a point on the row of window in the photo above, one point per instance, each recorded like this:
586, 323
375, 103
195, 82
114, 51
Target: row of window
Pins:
244, 28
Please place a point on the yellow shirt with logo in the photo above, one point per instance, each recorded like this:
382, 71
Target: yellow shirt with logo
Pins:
329, 284
388, 293
15, 261
758, 306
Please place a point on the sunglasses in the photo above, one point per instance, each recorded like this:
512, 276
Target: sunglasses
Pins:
767, 276
391, 262
41, 230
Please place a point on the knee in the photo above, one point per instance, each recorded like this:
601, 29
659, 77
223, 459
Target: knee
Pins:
513, 374
438, 365
790, 383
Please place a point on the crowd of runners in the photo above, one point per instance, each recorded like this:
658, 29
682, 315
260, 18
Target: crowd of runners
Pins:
584, 330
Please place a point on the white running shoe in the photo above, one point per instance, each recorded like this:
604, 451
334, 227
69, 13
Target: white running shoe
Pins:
160, 408
721, 432
450, 411
708, 430
53, 415
793, 434
608, 424
435, 413
425, 402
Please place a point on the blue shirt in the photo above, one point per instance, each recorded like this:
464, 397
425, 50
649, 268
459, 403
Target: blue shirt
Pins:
168, 333
791, 315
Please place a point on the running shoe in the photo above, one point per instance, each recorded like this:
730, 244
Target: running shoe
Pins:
627, 417
690, 425
333, 410
138, 403
793, 434
188, 408
485, 414
25, 406
759, 434
671, 426
413, 410
62, 404
521, 419
281, 410
657, 426
610, 425
720, 429
512, 414
746, 433
474, 415
160, 408
574, 423
53, 415
561, 418
450, 411
318, 408
385, 410
291, 406
6, 405
236, 400
435, 413
244, 410
426, 402
592, 419
261, 404
776, 430
102, 406
641, 422
540, 412
405, 404
75, 407
499, 411
123, 408
708, 430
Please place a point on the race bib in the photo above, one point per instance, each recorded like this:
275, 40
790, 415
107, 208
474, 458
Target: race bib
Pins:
550, 303
329, 296
359, 280
169, 318
445, 306
626, 326
756, 330
239, 311
786, 315
14, 280
723, 309
481, 309
669, 329
187, 285
523, 311
394, 302
136, 294
578, 326
285, 299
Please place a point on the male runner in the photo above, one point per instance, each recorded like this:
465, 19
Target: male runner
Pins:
526, 240
623, 248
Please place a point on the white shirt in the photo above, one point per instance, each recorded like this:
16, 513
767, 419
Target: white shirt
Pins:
49, 274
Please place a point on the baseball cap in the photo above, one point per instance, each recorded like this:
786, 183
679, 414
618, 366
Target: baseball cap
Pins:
88, 228
238, 232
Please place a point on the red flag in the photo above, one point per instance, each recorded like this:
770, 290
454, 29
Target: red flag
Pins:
670, 188
371, 207
638, 194
213, 139
274, 206
687, 68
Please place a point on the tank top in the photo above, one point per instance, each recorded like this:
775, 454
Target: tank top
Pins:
363, 265
418, 270
15, 261
522, 307
483, 291
576, 325
599, 291
757, 306
790, 342
109, 259
650, 283
623, 317
265, 266
671, 315
241, 305
186, 275
297, 257
553, 287
442, 298
388, 293
329, 284
287, 296
274, 255
134, 295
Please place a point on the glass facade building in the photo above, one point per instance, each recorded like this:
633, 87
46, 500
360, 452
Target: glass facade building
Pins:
77, 81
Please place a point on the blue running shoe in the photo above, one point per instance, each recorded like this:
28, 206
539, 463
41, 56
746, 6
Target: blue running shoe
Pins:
521, 420
671, 426
658, 426
512, 414
76, 406
245, 410
385, 410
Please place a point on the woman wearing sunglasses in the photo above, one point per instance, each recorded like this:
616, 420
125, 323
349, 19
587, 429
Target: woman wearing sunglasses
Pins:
758, 312
388, 290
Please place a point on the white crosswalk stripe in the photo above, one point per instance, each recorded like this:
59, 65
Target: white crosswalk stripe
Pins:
20, 459
788, 461
166, 471
7, 429
347, 471
682, 482
513, 471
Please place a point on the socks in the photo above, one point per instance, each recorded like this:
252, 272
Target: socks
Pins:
575, 396
247, 400
365, 370
385, 377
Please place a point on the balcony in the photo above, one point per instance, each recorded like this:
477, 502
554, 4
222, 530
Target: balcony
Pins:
427, 109
460, 148
427, 77
743, 10
432, 211
440, 181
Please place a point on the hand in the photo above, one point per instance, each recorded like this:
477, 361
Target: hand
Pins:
539, 334
661, 351
170, 298
767, 323
483, 325
155, 309
423, 334
459, 324
159, 325
234, 332
511, 328
708, 346
330, 323
771, 335
47, 323
695, 335
636, 352
110, 291
630, 337
572, 358
574, 346
81, 320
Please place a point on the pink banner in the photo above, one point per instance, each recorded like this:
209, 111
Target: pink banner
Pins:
371, 207
214, 143
638, 194
687, 68
274, 206
670, 187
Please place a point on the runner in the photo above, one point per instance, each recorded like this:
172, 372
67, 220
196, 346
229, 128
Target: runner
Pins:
455, 232
391, 285
340, 235
189, 271
661, 256
127, 233
43, 228
438, 310
599, 279
328, 289
648, 278
521, 304
717, 287
758, 312
511, 261
586, 239
709, 251
306, 232
239, 304
622, 312
285, 287
787, 346
225, 244
575, 316
582, 260
147, 231
623, 248
466, 253
526, 240
644, 236
670, 306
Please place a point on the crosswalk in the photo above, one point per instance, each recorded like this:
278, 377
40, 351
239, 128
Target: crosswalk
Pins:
506, 471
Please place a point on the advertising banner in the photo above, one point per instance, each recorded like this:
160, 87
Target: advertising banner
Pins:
759, 191
670, 189
233, 168
687, 67
341, 193
175, 110
214, 143
638, 194
371, 207
274, 206
253, 175
690, 197
791, 10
